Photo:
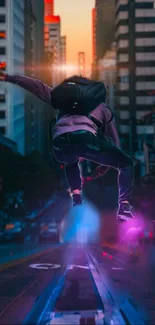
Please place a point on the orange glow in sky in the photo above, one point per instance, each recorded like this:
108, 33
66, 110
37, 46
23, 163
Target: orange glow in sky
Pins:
76, 24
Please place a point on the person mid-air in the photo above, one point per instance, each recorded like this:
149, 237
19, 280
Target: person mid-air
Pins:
85, 128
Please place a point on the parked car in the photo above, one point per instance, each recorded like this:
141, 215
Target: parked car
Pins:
50, 231
13, 231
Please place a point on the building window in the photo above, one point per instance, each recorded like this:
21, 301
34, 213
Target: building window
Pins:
124, 115
145, 71
144, 1
53, 29
124, 128
124, 100
140, 114
124, 79
123, 72
145, 85
121, 2
122, 30
2, 130
145, 13
53, 35
2, 98
2, 114
121, 15
2, 50
145, 41
2, 3
145, 130
123, 43
123, 86
145, 27
145, 56
2, 18
145, 100
123, 58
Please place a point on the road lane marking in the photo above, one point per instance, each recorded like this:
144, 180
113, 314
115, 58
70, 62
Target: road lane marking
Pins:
24, 259
45, 266
72, 266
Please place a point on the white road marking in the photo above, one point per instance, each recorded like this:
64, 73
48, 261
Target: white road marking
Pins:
44, 266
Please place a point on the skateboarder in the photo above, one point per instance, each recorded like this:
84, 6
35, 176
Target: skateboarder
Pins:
85, 128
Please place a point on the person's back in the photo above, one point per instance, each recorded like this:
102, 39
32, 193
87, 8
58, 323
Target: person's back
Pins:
71, 123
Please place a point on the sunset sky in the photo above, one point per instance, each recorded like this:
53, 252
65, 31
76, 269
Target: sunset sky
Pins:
76, 24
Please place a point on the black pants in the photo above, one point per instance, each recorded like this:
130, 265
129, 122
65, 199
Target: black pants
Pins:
69, 147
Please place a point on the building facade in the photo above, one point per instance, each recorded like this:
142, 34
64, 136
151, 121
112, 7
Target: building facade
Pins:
63, 56
135, 44
94, 34
12, 61
36, 114
49, 7
94, 74
105, 26
107, 74
52, 23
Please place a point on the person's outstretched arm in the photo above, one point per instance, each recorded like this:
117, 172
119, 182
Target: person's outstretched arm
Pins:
34, 86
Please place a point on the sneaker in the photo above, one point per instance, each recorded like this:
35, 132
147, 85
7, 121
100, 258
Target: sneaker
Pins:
125, 212
77, 199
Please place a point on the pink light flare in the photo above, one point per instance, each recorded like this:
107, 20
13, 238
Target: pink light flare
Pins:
107, 255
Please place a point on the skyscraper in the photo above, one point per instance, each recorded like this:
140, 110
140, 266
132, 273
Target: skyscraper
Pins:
12, 61
81, 63
53, 24
49, 7
135, 39
94, 34
36, 121
105, 23
63, 56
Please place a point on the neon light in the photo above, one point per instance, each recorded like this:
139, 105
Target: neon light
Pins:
51, 19
2, 65
2, 35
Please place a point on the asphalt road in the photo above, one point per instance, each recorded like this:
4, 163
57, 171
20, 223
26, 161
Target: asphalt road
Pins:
20, 284
129, 279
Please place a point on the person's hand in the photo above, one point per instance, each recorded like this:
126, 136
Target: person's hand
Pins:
2, 76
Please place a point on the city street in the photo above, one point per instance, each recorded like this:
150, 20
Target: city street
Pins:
130, 279
21, 284
129, 283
